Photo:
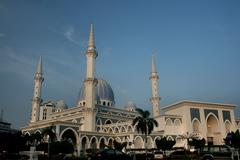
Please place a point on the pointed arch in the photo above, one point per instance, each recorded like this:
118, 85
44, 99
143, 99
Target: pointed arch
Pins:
74, 121
177, 122
110, 130
169, 122
105, 129
196, 125
37, 131
27, 133
116, 130
129, 128
108, 121
227, 126
156, 138
69, 128
99, 121
123, 129
93, 142
110, 142
212, 125
150, 143
70, 135
84, 141
102, 143
138, 142
170, 138
118, 139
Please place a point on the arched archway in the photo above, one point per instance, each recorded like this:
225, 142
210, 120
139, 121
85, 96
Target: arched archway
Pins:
177, 122
138, 142
84, 142
213, 134
149, 142
156, 138
116, 130
102, 143
93, 143
227, 127
196, 126
129, 129
170, 138
123, 129
71, 136
118, 139
108, 121
169, 122
110, 142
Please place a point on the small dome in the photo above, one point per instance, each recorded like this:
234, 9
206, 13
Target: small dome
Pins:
103, 91
61, 104
130, 106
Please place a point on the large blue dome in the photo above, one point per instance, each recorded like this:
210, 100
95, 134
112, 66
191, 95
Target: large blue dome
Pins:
103, 91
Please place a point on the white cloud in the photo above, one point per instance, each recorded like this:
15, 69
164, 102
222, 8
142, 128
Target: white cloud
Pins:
69, 34
16, 63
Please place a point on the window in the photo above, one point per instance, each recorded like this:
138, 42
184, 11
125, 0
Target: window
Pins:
44, 113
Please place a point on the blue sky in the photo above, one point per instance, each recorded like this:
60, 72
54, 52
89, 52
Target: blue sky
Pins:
197, 46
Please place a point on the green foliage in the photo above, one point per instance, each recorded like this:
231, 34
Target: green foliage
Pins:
42, 147
12, 142
61, 147
233, 139
49, 131
119, 146
145, 124
197, 143
165, 144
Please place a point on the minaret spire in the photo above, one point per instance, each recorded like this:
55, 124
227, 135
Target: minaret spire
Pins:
36, 100
91, 42
39, 66
155, 99
154, 69
90, 83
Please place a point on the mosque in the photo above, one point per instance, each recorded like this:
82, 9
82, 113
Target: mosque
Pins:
95, 121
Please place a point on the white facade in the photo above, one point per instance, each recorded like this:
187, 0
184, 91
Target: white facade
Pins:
95, 120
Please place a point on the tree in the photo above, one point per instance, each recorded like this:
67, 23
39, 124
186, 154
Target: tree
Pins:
144, 124
49, 131
119, 146
197, 143
233, 139
165, 144
64, 147
52, 136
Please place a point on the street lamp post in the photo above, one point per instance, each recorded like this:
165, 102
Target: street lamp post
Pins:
49, 141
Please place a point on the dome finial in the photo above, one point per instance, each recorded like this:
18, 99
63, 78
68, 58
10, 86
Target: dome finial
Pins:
91, 44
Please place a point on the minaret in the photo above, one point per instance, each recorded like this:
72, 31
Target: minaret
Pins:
155, 99
90, 83
36, 100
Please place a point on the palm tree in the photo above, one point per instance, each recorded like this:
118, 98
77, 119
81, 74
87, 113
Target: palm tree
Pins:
51, 136
49, 131
144, 124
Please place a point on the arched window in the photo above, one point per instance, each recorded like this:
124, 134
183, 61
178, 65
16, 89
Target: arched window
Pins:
195, 126
227, 127
169, 122
177, 122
